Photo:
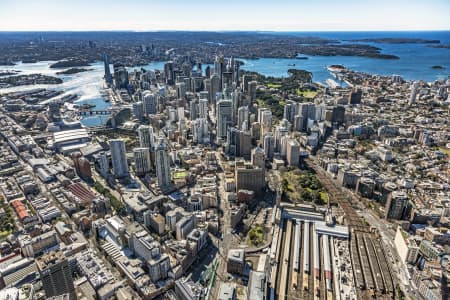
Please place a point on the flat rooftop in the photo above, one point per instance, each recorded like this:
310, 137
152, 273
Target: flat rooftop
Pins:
69, 135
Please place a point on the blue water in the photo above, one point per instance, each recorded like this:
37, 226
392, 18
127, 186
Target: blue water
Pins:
415, 63
415, 60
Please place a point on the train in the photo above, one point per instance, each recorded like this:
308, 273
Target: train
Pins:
306, 248
316, 256
297, 245
326, 261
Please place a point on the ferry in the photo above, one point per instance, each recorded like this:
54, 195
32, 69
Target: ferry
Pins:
84, 106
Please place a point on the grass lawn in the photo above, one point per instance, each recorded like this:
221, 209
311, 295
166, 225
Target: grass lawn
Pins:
323, 197
256, 235
179, 175
274, 85
445, 150
306, 93
260, 103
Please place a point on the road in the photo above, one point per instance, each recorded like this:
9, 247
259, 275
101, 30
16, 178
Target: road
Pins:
223, 245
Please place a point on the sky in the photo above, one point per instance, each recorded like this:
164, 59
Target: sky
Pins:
210, 15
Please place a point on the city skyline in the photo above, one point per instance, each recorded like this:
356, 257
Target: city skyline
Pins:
209, 150
200, 15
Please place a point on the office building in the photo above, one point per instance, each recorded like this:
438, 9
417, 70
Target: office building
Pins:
414, 90
243, 113
108, 76
236, 261
396, 204
149, 102
227, 291
269, 145
120, 77
181, 90
118, 158
138, 110
186, 289
215, 87
102, 163
146, 136
200, 132
193, 110
142, 162
265, 119
162, 162
249, 177
292, 152
258, 157
56, 275
238, 142
251, 91
354, 97
158, 267
290, 111
219, 67
184, 226
307, 111
203, 108
224, 118
169, 73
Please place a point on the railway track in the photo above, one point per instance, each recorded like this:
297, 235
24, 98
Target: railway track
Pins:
371, 271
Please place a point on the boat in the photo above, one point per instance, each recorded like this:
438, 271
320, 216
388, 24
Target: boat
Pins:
84, 106
87, 105
302, 57
291, 65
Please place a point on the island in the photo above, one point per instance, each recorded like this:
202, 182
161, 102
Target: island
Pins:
8, 73
345, 50
72, 71
397, 41
29, 79
442, 46
70, 63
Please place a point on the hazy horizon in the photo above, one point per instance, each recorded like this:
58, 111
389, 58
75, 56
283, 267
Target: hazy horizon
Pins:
231, 31
233, 15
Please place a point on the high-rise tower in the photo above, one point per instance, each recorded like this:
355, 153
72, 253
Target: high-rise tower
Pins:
224, 118
119, 157
56, 276
162, 162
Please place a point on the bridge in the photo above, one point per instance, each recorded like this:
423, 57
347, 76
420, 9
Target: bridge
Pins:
88, 112
94, 112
